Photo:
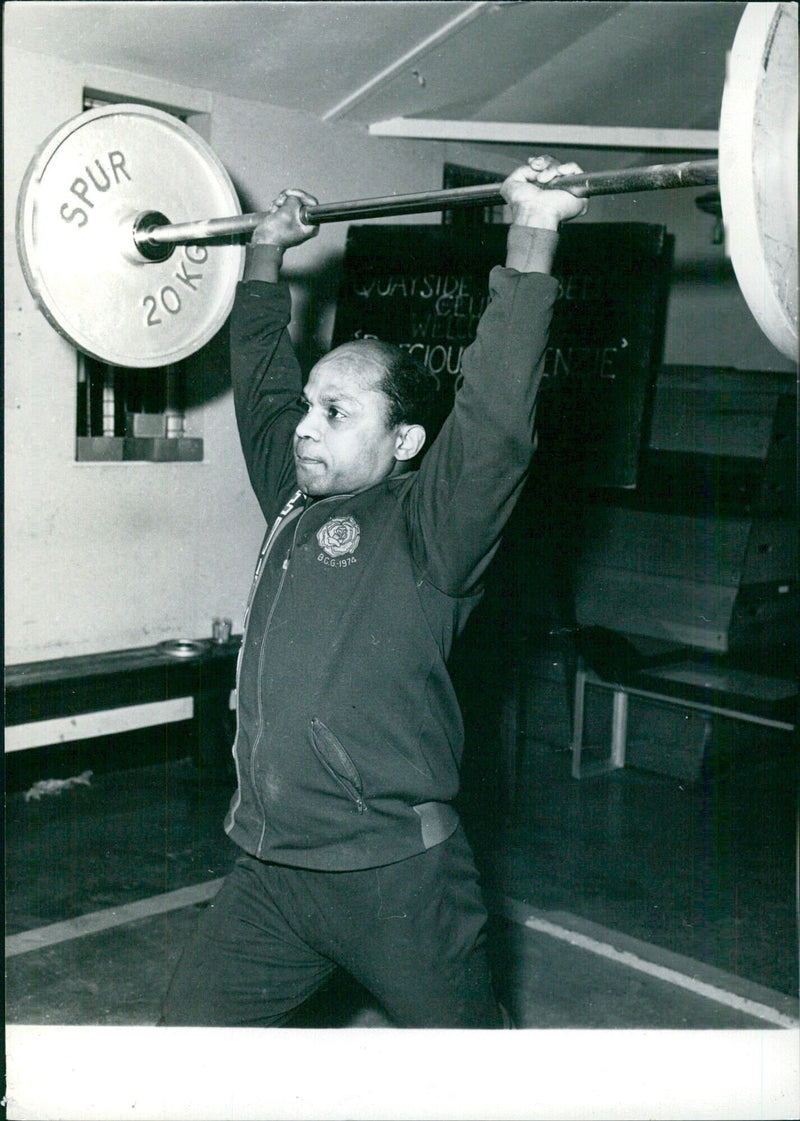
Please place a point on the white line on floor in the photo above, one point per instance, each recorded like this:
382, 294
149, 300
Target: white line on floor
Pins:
96, 921
534, 920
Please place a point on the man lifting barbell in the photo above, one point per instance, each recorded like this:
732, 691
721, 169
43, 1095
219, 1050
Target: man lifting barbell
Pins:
349, 736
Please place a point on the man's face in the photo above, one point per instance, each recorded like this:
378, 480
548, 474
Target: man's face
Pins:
343, 444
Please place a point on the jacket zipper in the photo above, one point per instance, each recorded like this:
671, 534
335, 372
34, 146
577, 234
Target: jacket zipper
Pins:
284, 569
288, 510
257, 741
285, 513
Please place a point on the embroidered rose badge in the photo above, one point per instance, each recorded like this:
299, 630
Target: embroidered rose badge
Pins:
339, 536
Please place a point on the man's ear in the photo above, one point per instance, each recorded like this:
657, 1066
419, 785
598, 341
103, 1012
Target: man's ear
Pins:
409, 441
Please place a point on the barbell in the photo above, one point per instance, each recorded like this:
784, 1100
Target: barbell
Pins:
151, 234
123, 281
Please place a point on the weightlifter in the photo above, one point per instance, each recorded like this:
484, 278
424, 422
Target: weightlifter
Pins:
349, 735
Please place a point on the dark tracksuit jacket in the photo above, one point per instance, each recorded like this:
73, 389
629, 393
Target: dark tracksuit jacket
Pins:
349, 735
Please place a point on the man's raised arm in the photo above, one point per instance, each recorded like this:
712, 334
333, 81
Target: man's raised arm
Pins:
471, 478
264, 370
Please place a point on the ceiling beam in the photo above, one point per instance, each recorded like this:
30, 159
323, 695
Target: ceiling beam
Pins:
570, 136
385, 75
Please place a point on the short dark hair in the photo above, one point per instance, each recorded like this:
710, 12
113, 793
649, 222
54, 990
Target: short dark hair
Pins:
411, 390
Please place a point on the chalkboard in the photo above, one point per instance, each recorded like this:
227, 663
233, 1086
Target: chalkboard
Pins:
425, 286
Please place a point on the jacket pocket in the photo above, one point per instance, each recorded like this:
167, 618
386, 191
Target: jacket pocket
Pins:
337, 763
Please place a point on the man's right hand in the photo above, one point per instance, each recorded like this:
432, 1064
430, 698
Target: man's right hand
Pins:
282, 226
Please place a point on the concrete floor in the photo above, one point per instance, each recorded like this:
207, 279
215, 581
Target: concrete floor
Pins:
584, 878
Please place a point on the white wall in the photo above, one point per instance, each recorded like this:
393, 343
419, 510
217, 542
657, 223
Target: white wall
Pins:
105, 556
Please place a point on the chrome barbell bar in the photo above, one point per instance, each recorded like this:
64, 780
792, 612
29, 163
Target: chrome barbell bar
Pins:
149, 235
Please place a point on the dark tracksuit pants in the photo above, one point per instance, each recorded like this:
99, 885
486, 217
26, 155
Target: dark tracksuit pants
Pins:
412, 933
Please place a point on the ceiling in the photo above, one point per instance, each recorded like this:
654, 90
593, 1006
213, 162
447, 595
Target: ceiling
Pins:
584, 62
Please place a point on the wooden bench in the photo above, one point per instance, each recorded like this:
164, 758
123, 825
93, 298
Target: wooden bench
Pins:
77, 698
